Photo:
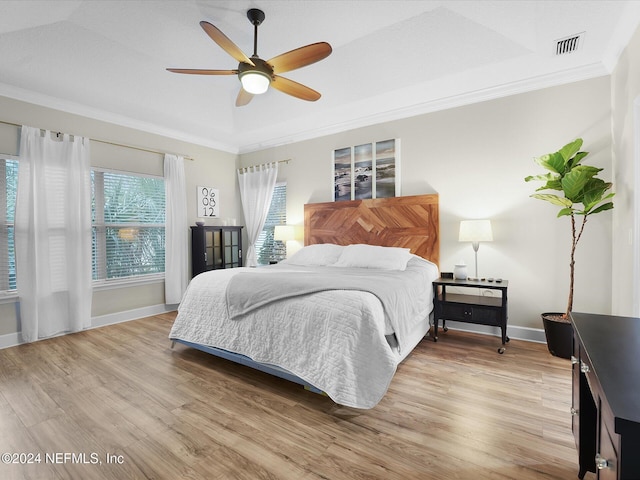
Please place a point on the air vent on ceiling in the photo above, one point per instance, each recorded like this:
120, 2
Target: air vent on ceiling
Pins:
569, 44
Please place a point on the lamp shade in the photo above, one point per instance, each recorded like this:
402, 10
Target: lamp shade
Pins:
475, 231
284, 233
255, 82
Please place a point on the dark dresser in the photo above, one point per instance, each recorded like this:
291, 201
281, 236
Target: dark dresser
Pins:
215, 247
606, 395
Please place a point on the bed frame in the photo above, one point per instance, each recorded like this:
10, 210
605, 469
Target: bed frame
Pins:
409, 222
246, 361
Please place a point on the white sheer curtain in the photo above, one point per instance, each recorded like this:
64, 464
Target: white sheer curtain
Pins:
256, 189
53, 234
176, 230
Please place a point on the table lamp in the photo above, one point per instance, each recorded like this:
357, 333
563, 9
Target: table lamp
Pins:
475, 231
287, 233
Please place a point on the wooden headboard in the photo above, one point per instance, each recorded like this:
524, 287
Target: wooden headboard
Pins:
409, 222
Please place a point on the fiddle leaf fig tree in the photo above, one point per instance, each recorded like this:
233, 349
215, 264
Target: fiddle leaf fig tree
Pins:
581, 193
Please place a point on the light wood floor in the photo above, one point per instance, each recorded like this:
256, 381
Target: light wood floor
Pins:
455, 410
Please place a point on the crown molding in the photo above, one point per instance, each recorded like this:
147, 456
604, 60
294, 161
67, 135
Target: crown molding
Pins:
392, 112
66, 106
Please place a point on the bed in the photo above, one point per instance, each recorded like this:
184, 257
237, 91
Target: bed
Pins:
340, 314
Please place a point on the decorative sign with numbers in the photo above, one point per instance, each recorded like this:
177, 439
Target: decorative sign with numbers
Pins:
208, 202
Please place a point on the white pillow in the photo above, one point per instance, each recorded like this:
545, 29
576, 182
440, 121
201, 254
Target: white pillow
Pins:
317, 254
371, 256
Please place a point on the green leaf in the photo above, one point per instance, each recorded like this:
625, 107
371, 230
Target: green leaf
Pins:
542, 178
594, 192
552, 161
556, 200
588, 170
573, 184
575, 160
570, 149
555, 185
602, 208
578, 181
565, 211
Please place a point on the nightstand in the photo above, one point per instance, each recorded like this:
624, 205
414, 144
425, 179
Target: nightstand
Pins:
478, 309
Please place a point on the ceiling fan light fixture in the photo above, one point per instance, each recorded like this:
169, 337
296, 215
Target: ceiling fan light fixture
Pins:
255, 82
257, 75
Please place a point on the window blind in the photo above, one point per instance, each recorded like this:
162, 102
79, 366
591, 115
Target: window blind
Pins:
267, 249
128, 225
8, 187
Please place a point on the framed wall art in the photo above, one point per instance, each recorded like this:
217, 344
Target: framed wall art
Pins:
370, 170
208, 202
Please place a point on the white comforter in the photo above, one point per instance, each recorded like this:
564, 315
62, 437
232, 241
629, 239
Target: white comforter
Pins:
334, 340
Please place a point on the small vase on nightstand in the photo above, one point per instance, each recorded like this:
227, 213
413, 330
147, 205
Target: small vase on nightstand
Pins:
460, 271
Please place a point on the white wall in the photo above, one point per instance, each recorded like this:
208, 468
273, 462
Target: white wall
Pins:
625, 100
476, 158
209, 167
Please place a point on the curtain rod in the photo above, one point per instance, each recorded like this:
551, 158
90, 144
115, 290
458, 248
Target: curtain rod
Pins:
286, 160
132, 147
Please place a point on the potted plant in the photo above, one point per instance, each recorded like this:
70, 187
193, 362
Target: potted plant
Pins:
582, 195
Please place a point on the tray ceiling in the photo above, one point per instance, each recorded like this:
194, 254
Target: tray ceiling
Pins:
391, 59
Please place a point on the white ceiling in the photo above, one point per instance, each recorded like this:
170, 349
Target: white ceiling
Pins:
391, 59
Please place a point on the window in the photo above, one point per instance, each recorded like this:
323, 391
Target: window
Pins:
8, 187
267, 249
128, 216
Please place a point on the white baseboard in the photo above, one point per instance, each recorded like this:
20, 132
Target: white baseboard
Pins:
128, 315
13, 339
519, 333
9, 340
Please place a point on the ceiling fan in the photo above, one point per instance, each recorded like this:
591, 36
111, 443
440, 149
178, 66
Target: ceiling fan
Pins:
256, 74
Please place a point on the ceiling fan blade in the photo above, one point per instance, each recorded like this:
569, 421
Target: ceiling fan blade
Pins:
224, 42
300, 57
197, 71
244, 97
294, 88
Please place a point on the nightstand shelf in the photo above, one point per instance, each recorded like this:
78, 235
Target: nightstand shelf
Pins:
477, 309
